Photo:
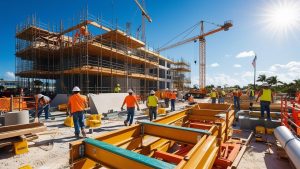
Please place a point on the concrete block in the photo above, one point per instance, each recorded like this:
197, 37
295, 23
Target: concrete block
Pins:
16, 117
104, 102
272, 123
244, 122
59, 99
2, 120
256, 122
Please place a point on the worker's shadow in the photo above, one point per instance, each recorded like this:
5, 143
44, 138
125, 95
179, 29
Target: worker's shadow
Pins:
50, 142
107, 128
7, 152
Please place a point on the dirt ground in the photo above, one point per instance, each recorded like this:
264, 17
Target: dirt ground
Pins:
51, 151
263, 156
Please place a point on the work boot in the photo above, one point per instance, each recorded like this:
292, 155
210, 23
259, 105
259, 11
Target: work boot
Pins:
125, 122
77, 135
83, 133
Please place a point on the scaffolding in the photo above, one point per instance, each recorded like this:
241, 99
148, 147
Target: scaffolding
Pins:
181, 74
90, 53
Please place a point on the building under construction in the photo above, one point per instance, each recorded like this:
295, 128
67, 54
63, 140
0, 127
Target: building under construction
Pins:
89, 53
181, 75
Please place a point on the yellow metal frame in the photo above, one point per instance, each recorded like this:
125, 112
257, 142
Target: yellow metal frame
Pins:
146, 138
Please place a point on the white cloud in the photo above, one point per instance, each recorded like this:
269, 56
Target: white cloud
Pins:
245, 54
237, 65
10, 75
221, 80
214, 65
285, 73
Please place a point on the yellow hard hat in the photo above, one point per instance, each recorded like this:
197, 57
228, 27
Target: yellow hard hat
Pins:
118, 84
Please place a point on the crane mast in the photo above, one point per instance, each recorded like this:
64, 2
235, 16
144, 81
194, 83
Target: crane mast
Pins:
144, 17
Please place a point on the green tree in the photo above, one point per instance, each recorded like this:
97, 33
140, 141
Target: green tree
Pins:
297, 83
262, 78
2, 88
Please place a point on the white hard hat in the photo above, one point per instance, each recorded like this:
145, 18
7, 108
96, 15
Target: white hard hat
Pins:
152, 92
130, 91
40, 96
175, 90
265, 84
167, 89
76, 89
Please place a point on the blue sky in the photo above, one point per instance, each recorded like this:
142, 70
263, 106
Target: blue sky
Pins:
277, 55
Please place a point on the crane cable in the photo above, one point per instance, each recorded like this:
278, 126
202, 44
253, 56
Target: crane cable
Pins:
192, 27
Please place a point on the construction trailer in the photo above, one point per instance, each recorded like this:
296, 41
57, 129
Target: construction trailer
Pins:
197, 137
87, 52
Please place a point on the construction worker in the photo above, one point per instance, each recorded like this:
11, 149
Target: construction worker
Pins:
221, 95
213, 96
130, 102
117, 89
237, 93
251, 94
266, 97
167, 96
76, 105
191, 100
173, 97
152, 102
44, 106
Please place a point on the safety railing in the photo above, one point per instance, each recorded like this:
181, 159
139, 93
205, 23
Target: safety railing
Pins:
290, 114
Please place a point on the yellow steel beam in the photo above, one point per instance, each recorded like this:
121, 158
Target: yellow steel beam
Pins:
206, 112
200, 118
181, 134
204, 156
117, 137
115, 157
172, 118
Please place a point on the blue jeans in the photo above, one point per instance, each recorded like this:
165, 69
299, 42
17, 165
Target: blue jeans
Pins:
236, 102
265, 106
130, 114
221, 100
45, 109
213, 100
167, 103
173, 104
78, 119
152, 112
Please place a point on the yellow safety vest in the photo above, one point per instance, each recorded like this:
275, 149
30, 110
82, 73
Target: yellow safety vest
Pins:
266, 95
213, 94
223, 93
251, 92
117, 90
152, 101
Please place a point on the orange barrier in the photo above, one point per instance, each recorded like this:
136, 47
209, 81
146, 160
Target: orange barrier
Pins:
5, 104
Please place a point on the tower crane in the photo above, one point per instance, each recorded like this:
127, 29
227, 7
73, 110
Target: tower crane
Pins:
144, 17
202, 46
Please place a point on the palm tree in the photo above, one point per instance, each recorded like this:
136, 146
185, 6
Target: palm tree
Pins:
297, 83
272, 80
262, 78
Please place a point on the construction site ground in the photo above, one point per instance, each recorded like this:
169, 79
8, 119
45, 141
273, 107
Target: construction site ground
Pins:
51, 151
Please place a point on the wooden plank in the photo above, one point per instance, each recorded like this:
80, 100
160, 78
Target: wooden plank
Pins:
20, 126
19, 132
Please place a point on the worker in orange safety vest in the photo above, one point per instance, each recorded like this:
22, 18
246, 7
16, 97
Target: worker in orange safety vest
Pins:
173, 97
